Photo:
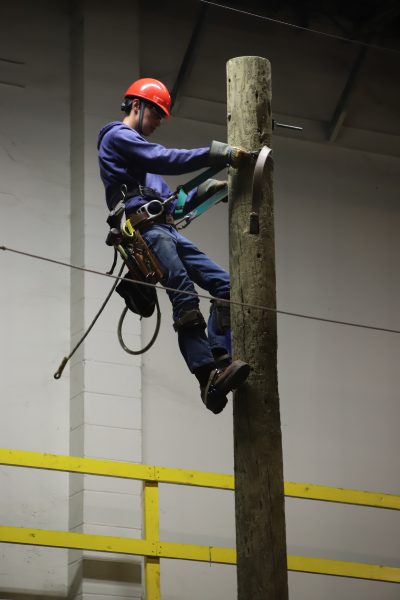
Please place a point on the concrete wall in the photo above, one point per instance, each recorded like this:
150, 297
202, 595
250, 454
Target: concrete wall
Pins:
337, 218
34, 196
105, 393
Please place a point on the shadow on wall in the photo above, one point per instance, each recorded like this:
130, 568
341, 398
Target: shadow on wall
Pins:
26, 595
123, 571
91, 569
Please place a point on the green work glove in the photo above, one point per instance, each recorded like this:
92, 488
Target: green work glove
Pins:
208, 188
222, 154
204, 192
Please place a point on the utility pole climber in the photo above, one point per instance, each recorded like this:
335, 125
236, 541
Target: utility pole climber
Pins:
259, 492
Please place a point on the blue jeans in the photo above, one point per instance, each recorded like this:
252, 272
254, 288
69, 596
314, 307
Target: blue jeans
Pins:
184, 265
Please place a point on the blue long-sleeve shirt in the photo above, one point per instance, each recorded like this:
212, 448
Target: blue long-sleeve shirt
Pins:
127, 157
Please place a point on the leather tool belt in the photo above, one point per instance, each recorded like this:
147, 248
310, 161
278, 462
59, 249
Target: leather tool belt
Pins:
142, 221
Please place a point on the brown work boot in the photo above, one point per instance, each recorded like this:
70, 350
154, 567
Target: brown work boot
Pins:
221, 382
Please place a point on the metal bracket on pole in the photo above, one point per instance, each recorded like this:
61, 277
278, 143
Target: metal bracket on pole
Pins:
254, 224
285, 126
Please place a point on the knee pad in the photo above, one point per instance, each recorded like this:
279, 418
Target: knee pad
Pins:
190, 318
222, 312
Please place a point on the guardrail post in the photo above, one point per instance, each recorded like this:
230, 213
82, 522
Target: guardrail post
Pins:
151, 534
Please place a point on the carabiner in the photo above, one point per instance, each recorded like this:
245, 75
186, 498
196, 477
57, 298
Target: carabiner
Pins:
127, 229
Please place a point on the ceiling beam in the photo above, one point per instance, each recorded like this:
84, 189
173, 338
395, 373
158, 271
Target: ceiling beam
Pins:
375, 25
187, 58
340, 112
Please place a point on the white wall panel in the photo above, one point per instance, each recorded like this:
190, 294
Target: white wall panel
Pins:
337, 248
34, 320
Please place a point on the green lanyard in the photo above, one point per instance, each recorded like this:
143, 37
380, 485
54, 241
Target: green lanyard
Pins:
184, 189
196, 212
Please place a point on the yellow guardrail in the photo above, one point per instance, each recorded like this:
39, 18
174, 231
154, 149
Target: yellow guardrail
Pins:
152, 548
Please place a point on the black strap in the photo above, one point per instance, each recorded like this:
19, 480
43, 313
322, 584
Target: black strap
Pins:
257, 194
126, 192
141, 115
146, 192
196, 181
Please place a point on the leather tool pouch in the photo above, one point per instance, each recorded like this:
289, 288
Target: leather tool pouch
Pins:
144, 259
222, 316
140, 299
143, 267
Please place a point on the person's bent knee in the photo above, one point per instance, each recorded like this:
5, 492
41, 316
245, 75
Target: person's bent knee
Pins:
189, 319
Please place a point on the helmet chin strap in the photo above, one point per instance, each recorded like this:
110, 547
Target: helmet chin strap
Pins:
141, 115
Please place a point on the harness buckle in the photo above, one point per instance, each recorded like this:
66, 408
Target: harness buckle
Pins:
152, 209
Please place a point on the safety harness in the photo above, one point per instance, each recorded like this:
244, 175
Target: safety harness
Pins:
142, 264
137, 286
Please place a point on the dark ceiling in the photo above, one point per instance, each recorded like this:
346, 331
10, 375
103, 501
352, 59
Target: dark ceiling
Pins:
360, 20
336, 64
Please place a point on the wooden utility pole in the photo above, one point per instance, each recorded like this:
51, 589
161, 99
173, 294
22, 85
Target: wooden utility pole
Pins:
259, 496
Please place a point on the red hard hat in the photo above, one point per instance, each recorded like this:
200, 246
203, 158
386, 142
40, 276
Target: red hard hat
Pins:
152, 90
